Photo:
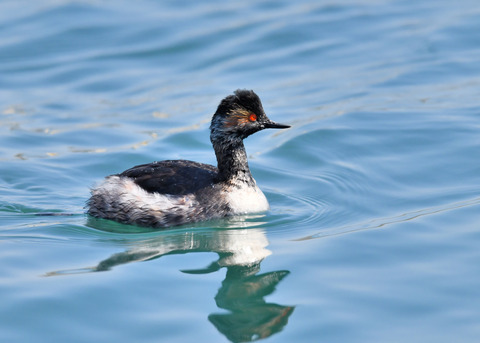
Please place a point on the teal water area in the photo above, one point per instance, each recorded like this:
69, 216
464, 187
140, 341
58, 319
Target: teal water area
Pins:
373, 233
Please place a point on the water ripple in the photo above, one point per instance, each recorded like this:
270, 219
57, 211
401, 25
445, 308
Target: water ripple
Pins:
387, 221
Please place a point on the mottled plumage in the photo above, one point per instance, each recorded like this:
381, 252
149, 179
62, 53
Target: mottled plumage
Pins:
168, 193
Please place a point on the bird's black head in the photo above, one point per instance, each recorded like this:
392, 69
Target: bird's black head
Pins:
240, 115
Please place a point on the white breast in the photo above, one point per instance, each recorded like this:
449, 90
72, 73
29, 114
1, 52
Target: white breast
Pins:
247, 200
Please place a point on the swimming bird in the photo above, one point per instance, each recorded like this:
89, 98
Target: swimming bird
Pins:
175, 192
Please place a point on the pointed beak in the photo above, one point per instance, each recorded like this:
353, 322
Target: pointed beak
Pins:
272, 125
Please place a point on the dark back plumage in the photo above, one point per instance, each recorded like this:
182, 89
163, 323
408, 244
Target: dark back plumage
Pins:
179, 177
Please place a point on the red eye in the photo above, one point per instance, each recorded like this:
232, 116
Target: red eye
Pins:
252, 117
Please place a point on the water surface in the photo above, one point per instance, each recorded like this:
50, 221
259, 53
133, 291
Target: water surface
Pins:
373, 230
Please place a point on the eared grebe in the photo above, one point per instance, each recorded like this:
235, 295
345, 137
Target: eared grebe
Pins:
168, 193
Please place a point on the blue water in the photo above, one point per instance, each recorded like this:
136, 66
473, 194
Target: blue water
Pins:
373, 233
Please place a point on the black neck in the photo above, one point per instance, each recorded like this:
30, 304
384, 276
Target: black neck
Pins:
232, 161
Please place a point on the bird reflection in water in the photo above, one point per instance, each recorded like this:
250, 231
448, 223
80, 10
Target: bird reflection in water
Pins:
250, 317
243, 290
